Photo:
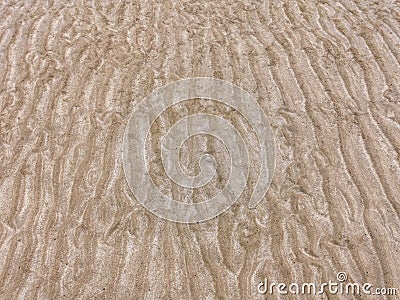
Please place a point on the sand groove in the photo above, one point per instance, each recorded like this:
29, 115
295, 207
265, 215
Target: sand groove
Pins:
326, 74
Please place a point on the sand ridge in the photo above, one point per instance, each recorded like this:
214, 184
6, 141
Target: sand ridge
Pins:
326, 75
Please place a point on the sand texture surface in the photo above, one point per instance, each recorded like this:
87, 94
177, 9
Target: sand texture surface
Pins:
326, 74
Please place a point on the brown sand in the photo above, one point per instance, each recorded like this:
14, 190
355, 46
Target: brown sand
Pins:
326, 74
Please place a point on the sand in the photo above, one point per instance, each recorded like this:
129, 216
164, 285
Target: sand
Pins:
325, 73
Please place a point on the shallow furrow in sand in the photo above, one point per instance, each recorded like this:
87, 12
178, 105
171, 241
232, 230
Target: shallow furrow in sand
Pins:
325, 73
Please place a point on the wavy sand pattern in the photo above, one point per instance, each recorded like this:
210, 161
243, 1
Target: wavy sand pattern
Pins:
327, 75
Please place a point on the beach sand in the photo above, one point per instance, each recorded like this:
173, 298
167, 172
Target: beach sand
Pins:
326, 74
